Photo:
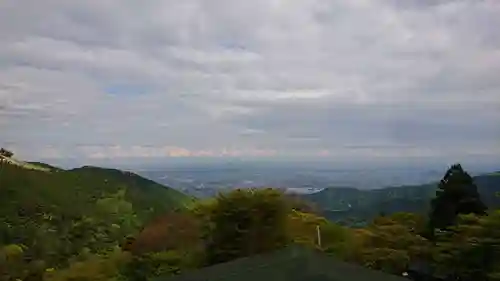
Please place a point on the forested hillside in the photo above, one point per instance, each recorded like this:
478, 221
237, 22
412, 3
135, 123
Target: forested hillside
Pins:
107, 225
56, 215
352, 206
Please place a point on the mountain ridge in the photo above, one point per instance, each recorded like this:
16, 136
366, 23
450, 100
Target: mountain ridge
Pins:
88, 182
345, 205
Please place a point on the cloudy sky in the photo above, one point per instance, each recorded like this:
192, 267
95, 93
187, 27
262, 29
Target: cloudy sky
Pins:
363, 79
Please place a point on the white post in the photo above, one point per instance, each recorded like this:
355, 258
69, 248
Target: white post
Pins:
319, 235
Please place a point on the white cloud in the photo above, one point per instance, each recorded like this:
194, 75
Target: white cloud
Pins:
242, 78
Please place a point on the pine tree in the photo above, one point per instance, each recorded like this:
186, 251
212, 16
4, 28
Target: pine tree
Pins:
456, 194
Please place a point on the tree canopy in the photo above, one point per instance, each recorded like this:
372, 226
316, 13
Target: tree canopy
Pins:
6, 153
457, 194
103, 224
247, 222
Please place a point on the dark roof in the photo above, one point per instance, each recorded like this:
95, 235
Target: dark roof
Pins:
290, 264
420, 266
425, 268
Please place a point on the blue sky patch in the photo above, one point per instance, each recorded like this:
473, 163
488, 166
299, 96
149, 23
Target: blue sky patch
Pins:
127, 89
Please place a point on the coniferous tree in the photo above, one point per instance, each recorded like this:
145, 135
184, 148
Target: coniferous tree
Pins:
456, 194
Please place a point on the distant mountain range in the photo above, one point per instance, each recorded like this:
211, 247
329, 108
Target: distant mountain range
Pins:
347, 196
353, 206
207, 180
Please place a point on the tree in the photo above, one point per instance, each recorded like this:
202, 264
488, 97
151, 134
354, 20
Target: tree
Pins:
302, 228
336, 240
246, 222
390, 243
172, 231
6, 153
471, 250
96, 267
11, 262
152, 265
456, 194
116, 211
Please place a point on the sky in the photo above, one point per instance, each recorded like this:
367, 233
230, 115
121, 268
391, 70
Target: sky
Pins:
370, 80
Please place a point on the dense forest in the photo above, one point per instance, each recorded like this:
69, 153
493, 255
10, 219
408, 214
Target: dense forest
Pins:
102, 224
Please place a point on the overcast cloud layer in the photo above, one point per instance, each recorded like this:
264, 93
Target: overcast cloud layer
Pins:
269, 78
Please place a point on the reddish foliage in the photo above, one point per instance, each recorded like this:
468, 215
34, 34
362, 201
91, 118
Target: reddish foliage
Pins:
173, 231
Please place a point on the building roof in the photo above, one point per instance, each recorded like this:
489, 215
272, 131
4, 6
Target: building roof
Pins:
290, 264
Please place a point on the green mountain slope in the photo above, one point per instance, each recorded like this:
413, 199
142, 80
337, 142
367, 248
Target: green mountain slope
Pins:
353, 206
57, 214
25, 165
46, 166
141, 192
72, 191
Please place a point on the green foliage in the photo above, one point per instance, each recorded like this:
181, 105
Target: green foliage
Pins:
390, 243
68, 225
160, 264
302, 227
355, 207
14, 264
471, 248
118, 213
63, 217
12, 251
46, 166
456, 194
335, 239
96, 267
246, 222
